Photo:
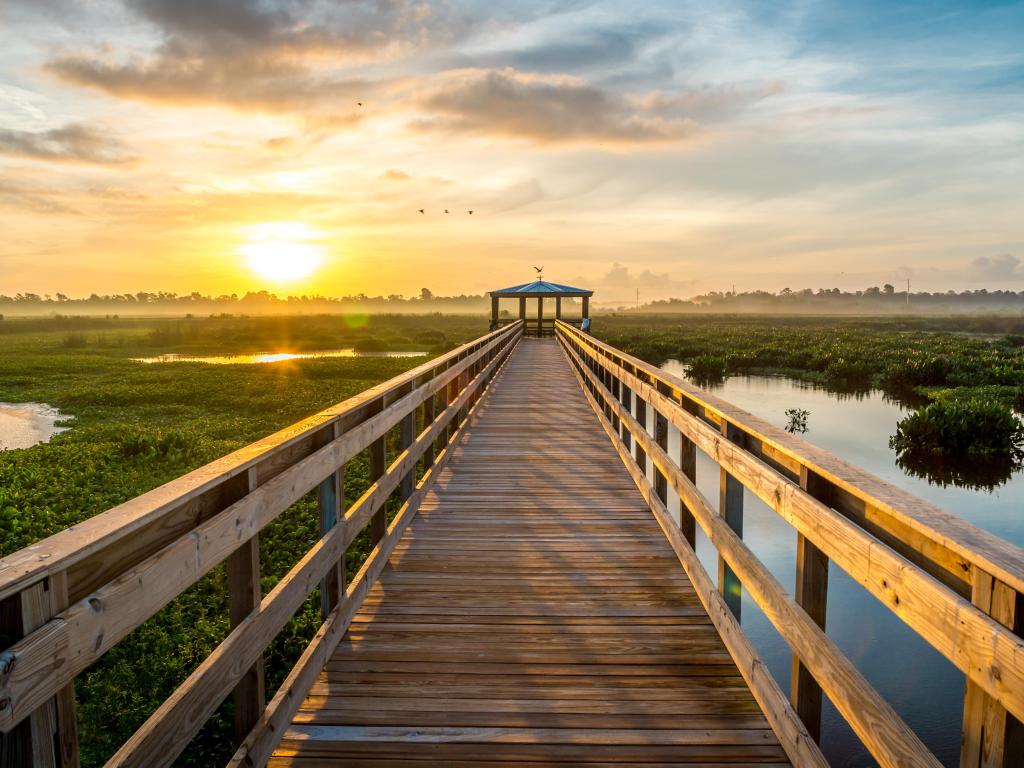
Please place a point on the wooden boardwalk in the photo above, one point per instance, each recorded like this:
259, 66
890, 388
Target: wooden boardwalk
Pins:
532, 614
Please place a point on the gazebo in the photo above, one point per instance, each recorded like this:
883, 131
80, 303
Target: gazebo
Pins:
539, 290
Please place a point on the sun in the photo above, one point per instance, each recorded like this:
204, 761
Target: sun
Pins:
282, 251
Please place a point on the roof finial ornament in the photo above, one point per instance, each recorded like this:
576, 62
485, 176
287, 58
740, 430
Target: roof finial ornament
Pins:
540, 272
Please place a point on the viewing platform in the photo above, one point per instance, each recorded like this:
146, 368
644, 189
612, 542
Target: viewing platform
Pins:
536, 599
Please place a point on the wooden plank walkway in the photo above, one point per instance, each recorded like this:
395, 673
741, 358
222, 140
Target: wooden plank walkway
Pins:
533, 614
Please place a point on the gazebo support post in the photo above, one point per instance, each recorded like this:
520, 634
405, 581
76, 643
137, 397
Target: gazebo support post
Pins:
586, 307
540, 316
522, 307
494, 312
558, 307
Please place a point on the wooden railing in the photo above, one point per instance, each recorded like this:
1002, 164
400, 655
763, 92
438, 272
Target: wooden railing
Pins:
955, 585
67, 600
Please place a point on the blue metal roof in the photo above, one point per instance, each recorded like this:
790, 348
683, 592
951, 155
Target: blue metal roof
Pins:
539, 287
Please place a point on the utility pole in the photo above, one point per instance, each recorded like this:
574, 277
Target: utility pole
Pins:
638, 301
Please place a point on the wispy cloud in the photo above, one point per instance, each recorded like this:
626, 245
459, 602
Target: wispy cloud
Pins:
74, 143
543, 109
269, 56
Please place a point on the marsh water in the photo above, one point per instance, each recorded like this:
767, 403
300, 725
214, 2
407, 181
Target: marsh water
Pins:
925, 689
268, 357
23, 425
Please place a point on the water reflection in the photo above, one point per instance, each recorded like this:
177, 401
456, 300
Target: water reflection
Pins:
922, 686
977, 474
872, 422
268, 357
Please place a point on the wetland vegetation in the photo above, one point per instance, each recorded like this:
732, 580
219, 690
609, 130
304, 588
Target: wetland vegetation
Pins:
964, 375
136, 426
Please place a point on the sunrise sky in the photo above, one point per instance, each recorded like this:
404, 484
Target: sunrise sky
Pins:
674, 147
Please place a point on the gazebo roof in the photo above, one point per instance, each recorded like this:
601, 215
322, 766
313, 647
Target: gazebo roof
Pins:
542, 288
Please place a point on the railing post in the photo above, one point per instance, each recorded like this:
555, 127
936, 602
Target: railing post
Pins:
378, 465
984, 742
617, 396
688, 464
331, 502
812, 595
244, 595
641, 416
48, 737
407, 434
730, 507
627, 405
429, 415
661, 438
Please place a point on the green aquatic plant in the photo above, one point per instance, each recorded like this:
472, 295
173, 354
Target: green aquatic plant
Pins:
974, 428
707, 368
797, 420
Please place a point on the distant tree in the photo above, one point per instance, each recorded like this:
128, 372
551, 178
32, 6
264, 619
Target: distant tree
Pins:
426, 294
888, 289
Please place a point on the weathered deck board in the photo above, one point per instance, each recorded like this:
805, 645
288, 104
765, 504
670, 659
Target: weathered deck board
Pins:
532, 614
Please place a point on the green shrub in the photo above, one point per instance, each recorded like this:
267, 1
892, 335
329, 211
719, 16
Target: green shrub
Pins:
843, 372
969, 428
707, 368
371, 345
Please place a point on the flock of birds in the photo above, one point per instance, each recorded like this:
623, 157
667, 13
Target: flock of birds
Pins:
422, 210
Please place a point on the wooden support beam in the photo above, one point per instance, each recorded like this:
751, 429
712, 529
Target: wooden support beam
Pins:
730, 508
407, 430
558, 307
494, 312
378, 465
639, 455
984, 742
812, 596
661, 438
522, 307
429, 414
586, 307
331, 502
244, 595
688, 465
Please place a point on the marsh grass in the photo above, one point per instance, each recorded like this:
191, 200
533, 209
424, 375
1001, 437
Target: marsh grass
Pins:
136, 426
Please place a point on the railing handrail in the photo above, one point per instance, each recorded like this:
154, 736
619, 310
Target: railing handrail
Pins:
59, 637
979, 639
66, 548
974, 545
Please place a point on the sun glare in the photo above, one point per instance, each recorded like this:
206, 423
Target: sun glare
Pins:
282, 251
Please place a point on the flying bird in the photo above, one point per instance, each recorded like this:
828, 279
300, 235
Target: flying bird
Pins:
446, 210
359, 103
538, 270
469, 212
422, 211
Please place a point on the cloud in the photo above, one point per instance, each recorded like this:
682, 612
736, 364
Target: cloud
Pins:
710, 103
543, 109
393, 174
32, 199
620, 284
74, 143
1005, 266
270, 56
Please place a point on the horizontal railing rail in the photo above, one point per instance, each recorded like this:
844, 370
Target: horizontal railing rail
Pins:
956, 586
70, 598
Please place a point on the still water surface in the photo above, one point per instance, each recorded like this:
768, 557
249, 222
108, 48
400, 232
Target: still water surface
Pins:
925, 689
23, 425
268, 357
